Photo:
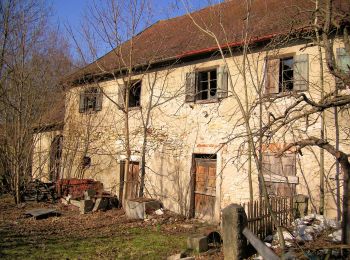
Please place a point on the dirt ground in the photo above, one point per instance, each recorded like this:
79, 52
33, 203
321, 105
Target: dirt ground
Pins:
99, 235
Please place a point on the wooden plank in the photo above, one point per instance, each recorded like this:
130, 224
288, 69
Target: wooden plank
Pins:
260, 246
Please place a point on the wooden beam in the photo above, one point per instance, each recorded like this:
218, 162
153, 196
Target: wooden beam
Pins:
260, 246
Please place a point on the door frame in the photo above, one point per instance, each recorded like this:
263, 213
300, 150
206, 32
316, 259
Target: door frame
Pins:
192, 211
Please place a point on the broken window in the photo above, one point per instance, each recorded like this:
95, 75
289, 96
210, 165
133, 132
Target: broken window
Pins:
206, 86
90, 100
135, 94
86, 162
279, 173
287, 74
210, 84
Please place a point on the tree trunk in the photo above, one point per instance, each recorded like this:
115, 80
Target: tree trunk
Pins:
346, 205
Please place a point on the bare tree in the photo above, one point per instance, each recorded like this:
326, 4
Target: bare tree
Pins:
31, 62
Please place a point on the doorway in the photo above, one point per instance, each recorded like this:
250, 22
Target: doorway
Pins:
132, 182
203, 186
55, 158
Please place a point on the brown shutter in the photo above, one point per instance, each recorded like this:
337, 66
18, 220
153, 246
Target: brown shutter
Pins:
190, 87
99, 97
301, 72
121, 96
82, 103
222, 83
289, 164
272, 76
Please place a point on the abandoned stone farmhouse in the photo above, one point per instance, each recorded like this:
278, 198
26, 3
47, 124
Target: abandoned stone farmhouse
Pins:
177, 98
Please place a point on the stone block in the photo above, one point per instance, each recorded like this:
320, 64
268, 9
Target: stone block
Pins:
100, 204
139, 208
234, 220
198, 243
174, 257
89, 194
86, 206
75, 203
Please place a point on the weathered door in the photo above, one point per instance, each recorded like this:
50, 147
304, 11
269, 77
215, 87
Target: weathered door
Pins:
132, 181
55, 158
204, 188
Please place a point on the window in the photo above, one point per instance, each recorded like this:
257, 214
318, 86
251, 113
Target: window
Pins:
90, 100
279, 173
210, 84
286, 74
135, 94
206, 85
86, 162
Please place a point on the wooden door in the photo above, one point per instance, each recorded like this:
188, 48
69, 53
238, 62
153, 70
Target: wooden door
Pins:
204, 188
132, 181
55, 158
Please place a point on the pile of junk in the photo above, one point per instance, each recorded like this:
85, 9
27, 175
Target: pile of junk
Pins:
86, 194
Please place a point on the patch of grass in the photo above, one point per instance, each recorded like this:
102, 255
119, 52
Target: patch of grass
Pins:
138, 243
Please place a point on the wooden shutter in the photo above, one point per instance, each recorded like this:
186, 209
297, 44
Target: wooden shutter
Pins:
82, 103
301, 72
222, 84
190, 87
99, 97
343, 63
343, 60
121, 96
272, 76
279, 174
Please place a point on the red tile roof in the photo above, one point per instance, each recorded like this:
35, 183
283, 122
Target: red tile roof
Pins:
179, 37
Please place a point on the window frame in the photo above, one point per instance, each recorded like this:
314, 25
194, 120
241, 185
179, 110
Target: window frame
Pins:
209, 98
273, 85
282, 82
91, 95
135, 84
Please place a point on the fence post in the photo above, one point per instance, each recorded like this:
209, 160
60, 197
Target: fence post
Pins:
234, 220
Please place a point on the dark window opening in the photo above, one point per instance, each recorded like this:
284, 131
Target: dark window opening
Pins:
286, 74
86, 162
135, 95
206, 85
90, 100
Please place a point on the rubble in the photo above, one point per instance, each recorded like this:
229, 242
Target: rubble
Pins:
100, 204
308, 229
336, 236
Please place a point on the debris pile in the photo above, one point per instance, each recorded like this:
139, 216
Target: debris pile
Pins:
37, 190
92, 201
307, 229
76, 187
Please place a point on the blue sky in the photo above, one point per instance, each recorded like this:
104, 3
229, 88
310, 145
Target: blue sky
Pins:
71, 12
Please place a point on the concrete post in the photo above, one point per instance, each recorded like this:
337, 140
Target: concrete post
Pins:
300, 205
234, 220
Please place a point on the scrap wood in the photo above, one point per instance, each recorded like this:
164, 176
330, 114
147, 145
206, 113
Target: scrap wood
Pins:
42, 213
